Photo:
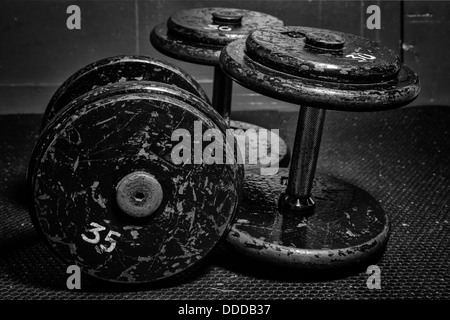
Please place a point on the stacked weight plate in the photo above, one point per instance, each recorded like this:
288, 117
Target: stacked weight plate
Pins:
197, 36
105, 192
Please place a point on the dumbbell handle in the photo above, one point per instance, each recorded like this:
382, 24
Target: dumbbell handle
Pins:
222, 91
297, 196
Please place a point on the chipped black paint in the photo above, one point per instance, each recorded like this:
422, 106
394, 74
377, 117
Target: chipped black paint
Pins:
348, 226
179, 48
188, 36
277, 49
316, 93
195, 24
101, 137
345, 225
119, 69
115, 89
130, 87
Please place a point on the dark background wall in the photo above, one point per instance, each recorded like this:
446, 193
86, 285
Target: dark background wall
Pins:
38, 52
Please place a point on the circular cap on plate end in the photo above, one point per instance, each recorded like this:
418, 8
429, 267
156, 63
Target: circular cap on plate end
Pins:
324, 40
139, 194
225, 17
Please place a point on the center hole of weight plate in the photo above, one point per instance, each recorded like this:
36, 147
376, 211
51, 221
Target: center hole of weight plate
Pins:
139, 196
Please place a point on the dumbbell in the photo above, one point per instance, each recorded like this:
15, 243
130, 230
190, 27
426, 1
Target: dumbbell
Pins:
300, 218
119, 69
197, 36
104, 192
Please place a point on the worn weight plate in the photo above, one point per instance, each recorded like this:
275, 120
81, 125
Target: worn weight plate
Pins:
131, 87
121, 88
348, 225
119, 69
316, 93
255, 159
218, 26
323, 54
85, 158
183, 49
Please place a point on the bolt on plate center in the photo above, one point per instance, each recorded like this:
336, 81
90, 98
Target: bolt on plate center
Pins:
227, 17
139, 194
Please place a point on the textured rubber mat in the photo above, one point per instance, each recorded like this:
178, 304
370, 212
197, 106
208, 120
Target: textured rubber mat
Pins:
401, 157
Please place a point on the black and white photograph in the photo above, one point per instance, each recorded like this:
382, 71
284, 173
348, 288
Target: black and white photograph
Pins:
216, 159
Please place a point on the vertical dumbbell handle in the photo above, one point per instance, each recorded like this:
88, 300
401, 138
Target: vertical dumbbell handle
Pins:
297, 196
222, 90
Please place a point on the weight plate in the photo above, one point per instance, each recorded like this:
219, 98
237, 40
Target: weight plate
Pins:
131, 87
90, 154
218, 26
348, 225
120, 88
323, 54
119, 69
316, 93
179, 48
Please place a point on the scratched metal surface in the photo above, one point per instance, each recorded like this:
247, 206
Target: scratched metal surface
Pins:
84, 156
288, 49
187, 35
119, 69
400, 157
324, 240
195, 24
333, 95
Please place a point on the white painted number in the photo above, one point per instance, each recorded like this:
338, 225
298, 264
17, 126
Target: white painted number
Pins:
110, 240
361, 57
96, 231
217, 27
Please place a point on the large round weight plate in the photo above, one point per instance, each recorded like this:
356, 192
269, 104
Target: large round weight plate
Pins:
315, 93
323, 54
130, 87
348, 226
119, 69
90, 153
218, 26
